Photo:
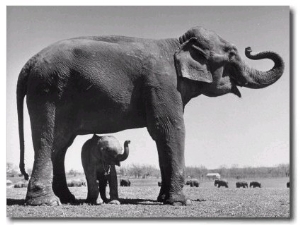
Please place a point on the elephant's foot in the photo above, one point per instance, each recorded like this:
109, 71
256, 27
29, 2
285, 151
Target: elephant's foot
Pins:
177, 200
39, 194
50, 200
93, 201
161, 197
67, 197
114, 202
62, 191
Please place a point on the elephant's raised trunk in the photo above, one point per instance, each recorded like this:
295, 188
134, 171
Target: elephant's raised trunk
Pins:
258, 79
125, 153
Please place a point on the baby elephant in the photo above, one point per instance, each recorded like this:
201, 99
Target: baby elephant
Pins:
99, 156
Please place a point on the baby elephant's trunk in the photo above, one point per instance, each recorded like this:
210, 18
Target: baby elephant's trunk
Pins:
125, 154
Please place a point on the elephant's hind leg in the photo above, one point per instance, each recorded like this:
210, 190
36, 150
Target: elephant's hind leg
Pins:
60, 188
40, 185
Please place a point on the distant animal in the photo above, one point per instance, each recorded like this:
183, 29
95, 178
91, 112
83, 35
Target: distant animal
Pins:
21, 185
243, 184
288, 184
9, 183
255, 184
188, 182
76, 183
194, 183
221, 183
99, 156
159, 183
125, 183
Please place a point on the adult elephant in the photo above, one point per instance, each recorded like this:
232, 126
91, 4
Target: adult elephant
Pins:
125, 182
255, 184
111, 83
99, 156
221, 183
243, 184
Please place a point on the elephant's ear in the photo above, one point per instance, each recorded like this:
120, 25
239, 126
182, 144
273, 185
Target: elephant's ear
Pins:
191, 62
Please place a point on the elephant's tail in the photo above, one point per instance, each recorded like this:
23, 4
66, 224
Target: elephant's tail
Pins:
21, 92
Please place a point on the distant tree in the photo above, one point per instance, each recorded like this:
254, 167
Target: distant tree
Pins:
140, 171
136, 170
9, 167
223, 171
73, 172
284, 169
122, 171
195, 171
149, 171
11, 170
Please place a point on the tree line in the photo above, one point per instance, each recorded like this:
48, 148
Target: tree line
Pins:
281, 170
200, 172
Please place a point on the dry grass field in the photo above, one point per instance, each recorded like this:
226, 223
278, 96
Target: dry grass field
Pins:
139, 201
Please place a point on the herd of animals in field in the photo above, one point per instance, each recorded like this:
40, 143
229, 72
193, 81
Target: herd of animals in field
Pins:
127, 183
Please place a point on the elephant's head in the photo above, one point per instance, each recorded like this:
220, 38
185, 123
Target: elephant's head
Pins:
215, 64
111, 153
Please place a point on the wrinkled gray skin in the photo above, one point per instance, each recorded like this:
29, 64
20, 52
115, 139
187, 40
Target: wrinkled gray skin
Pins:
107, 84
99, 156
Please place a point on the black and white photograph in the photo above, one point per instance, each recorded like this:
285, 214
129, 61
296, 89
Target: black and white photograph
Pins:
156, 112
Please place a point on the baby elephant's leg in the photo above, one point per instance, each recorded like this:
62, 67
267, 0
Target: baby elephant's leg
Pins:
102, 187
113, 186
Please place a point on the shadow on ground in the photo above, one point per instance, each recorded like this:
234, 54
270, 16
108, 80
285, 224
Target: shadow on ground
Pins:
138, 201
126, 201
11, 202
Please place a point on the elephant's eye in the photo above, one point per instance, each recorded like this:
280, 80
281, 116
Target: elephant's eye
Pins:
226, 48
231, 54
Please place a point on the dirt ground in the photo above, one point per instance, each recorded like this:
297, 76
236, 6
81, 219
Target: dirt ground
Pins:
139, 201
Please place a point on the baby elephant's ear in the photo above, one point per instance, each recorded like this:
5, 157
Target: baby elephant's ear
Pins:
191, 62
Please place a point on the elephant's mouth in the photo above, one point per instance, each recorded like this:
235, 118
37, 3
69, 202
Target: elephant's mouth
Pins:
235, 90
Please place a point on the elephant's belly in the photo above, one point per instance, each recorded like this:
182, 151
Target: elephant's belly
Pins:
103, 109
108, 121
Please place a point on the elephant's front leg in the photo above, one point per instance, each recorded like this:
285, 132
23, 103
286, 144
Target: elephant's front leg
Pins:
162, 193
173, 170
166, 126
113, 186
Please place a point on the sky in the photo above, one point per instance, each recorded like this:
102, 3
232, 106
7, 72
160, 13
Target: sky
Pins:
224, 131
